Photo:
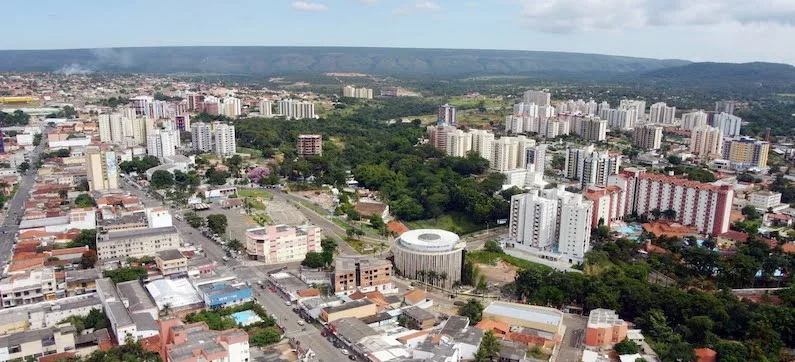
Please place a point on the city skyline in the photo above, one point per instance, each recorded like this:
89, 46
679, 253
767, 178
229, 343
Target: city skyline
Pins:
723, 31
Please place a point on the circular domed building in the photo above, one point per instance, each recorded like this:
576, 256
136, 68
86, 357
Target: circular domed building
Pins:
431, 255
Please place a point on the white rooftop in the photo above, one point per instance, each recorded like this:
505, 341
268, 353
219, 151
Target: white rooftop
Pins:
429, 240
525, 312
176, 293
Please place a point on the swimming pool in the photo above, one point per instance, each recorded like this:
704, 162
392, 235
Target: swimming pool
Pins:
630, 229
246, 317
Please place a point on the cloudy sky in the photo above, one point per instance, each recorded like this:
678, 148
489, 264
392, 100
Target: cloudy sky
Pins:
699, 30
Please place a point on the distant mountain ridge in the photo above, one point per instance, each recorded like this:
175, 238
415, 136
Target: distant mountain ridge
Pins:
744, 77
287, 60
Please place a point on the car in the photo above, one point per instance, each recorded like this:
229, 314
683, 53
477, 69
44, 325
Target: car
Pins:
323, 334
287, 303
259, 282
300, 322
344, 351
262, 286
352, 357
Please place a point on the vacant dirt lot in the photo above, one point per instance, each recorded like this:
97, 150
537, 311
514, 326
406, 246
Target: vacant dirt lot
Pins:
501, 273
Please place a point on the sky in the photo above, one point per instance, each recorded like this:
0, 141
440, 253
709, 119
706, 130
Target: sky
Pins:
697, 30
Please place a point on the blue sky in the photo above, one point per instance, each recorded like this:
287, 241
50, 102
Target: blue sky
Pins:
699, 30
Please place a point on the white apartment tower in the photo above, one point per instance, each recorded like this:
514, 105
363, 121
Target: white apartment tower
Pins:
201, 137
540, 98
661, 113
638, 106
446, 114
231, 107
648, 136
622, 118
705, 141
590, 166
482, 141
532, 221
692, 120
458, 143
224, 140
574, 238
728, 124
266, 108
160, 143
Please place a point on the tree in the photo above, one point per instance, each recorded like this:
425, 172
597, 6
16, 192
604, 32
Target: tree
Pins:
217, 223
194, 220
751, 213
23, 167
266, 337
235, 245
85, 200
669, 214
314, 259
489, 349
626, 347
378, 223
122, 275
86, 237
492, 246
473, 310
162, 179
674, 160
88, 259
63, 194
216, 177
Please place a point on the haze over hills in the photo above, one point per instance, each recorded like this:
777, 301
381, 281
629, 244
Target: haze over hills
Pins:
287, 60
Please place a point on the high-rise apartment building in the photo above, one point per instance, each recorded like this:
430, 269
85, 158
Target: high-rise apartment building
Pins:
161, 143
648, 136
589, 128
231, 107
201, 137
509, 153
537, 156
292, 109
706, 141
266, 108
638, 106
446, 114
728, 124
622, 118
437, 135
574, 231
101, 170
141, 104
591, 167
704, 206
746, 152
532, 220
353, 92
725, 107
310, 145
224, 142
182, 122
692, 120
601, 107
194, 101
540, 98
661, 113
361, 273
482, 141
458, 143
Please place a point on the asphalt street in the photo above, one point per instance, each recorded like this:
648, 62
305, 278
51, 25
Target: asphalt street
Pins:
10, 224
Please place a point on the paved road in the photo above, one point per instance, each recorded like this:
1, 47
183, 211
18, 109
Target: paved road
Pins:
10, 224
330, 229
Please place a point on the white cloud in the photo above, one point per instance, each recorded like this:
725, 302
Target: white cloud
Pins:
308, 6
368, 2
563, 16
418, 6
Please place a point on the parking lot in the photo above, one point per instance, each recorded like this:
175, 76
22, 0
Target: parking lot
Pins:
284, 213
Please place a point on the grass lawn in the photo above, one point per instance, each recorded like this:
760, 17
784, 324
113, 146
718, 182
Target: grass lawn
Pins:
363, 247
254, 193
262, 219
250, 151
256, 204
491, 258
458, 223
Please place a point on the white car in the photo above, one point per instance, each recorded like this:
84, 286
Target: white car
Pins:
300, 322
287, 303
344, 351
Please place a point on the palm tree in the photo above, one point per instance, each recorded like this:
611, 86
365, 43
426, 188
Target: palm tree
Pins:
432, 276
420, 275
670, 214
656, 213
166, 309
443, 277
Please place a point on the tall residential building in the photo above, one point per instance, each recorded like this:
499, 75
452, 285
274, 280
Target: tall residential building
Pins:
537, 155
550, 220
458, 143
705, 141
182, 122
111, 128
601, 107
692, 120
446, 114
310, 145
437, 135
276, 244
292, 109
661, 113
725, 107
540, 98
224, 142
231, 107
648, 136
638, 106
141, 104
509, 153
194, 101
201, 137
266, 108
211, 105
101, 170
362, 273
704, 206
353, 92
160, 143
746, 152
591, 167
589, 128
728, 124
622, 118
482, 141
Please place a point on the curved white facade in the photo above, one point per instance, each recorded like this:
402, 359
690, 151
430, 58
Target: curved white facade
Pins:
426, 250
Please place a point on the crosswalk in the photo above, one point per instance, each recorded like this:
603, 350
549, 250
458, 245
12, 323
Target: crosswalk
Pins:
299, 333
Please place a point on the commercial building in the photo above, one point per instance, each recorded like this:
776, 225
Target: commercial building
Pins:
362, 273
353, 92
763, 200
446, 114
692, 120
545, 322
122, 323
356, 309
193, 342
224, 143
201, 137
422, 251
604, 328
120, 245
728, 124
309, 145
661, 113
648, 136
101, 170
704, 206
176, 294
225, 294
746, 152
276, 244
706, 141
171, 263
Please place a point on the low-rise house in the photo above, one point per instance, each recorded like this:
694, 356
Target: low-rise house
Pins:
224, 294
36, 343
171, 263
418, 318
29, 288
196, 342
356, 309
